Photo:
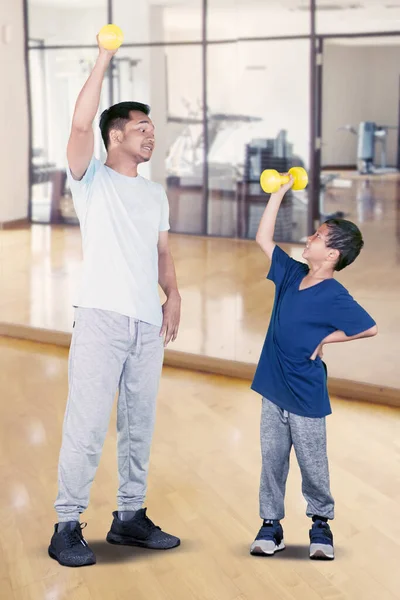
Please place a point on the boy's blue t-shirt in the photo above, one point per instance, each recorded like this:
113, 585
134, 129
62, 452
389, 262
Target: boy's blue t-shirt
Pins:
300, 320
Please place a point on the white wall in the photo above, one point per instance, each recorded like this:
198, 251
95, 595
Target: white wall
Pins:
260, 18
60, 26
158, 99
366, 16
262, 79
14, 147
249, 79
359, 84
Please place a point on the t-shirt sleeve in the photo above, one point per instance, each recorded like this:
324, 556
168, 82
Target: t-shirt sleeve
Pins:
164, 218
80, 188
348, 316
281, 265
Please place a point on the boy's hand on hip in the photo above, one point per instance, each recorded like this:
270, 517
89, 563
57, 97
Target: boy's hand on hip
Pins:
171, 318
319, 351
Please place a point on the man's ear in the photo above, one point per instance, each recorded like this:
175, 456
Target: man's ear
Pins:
116, 136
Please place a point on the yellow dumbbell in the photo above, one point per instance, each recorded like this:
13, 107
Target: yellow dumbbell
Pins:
271, 181
111, 37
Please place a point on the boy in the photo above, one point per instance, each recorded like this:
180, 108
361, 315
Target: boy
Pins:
311, 309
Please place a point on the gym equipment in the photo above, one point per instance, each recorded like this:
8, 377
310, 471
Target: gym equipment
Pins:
271, 181
111, 37
368, 134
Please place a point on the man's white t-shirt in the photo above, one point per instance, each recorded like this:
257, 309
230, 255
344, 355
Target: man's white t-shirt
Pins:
120, 219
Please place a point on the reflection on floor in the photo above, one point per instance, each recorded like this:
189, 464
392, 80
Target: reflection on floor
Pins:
226, 300
203, 487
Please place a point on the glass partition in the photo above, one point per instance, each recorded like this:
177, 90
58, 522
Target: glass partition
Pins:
258, 118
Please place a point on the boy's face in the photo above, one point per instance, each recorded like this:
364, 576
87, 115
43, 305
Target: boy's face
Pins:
316, 250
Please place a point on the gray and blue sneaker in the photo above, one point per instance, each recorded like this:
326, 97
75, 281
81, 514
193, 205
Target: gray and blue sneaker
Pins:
69, 547
321, 541
269, 539
140, 531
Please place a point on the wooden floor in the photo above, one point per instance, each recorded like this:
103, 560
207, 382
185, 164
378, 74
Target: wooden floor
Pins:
203, 486
226, 300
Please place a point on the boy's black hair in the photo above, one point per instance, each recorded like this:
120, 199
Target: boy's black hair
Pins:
345, 237
117, 116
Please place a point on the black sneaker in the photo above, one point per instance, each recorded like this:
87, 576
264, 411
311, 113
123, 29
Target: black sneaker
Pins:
140, 531
269, 539
69, 547
321, 541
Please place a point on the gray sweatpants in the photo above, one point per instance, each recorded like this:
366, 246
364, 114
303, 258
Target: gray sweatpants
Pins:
108, 351
279, 430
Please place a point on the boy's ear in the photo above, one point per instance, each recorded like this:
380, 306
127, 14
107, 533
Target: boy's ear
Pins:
333, 255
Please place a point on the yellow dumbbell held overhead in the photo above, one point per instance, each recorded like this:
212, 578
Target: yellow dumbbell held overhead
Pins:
111, 37
271, 181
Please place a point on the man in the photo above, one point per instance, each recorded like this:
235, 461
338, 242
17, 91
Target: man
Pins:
120, 329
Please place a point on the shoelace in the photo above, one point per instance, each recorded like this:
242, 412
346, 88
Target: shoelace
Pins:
74, 536
149, 522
